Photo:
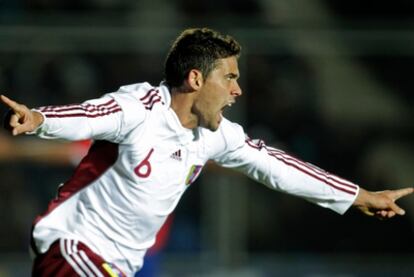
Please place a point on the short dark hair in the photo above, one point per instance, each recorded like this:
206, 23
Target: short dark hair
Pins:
197, 48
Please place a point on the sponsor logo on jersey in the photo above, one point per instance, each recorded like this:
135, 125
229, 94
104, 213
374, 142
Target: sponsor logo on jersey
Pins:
176, 155
193, 174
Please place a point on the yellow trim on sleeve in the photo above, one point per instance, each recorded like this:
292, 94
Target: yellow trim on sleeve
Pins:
108, 269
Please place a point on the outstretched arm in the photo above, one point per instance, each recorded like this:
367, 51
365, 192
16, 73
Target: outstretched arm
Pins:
281, 171
98, 119
22, 119
110, 117
382, 203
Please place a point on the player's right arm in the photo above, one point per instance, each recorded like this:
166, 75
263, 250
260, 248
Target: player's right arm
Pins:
106, 118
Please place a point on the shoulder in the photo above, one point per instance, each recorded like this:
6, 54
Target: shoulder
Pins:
228, 137
231, 132
138, 102
145, 95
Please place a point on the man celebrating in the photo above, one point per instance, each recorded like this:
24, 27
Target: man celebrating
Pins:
151, 143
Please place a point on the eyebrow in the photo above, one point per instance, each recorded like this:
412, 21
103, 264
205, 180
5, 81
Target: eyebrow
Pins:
232, 75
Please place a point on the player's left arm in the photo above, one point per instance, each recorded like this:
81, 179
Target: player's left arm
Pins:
381, 203
283, 172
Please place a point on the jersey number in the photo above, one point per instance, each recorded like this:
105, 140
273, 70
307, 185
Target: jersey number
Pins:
143, 170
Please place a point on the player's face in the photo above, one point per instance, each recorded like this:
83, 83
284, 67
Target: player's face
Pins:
219, 91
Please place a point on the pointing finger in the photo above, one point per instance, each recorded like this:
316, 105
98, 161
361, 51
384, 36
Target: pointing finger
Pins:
10, 103
397, 194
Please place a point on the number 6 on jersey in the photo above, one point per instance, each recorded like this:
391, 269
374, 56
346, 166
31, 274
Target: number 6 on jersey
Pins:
143, 169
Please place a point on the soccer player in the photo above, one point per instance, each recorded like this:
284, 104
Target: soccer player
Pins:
150, 144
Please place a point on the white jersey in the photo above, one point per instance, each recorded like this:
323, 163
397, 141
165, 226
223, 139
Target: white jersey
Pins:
141, 163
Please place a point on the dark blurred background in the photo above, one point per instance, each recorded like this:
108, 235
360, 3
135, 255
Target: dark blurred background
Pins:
328, 81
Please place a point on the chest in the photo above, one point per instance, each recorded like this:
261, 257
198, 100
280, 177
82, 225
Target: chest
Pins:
163, 162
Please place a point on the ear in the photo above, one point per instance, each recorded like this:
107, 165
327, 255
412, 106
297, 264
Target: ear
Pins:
195, 79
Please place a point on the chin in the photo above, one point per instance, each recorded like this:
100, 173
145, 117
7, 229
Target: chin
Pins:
215, 127
212, 127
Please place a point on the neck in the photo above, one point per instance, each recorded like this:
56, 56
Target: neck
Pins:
182, 103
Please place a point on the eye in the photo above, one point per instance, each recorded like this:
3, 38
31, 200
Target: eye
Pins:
231, 76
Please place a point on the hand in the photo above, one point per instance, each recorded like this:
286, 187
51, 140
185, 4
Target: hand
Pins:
382, 203
22, 119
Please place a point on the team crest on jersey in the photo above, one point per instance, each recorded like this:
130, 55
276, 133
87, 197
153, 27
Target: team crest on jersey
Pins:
193, 174
112, 270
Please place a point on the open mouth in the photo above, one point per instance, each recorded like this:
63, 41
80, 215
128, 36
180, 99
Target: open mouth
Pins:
228, 105
225, 107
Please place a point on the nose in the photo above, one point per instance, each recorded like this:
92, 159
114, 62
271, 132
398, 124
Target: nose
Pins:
236, 91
